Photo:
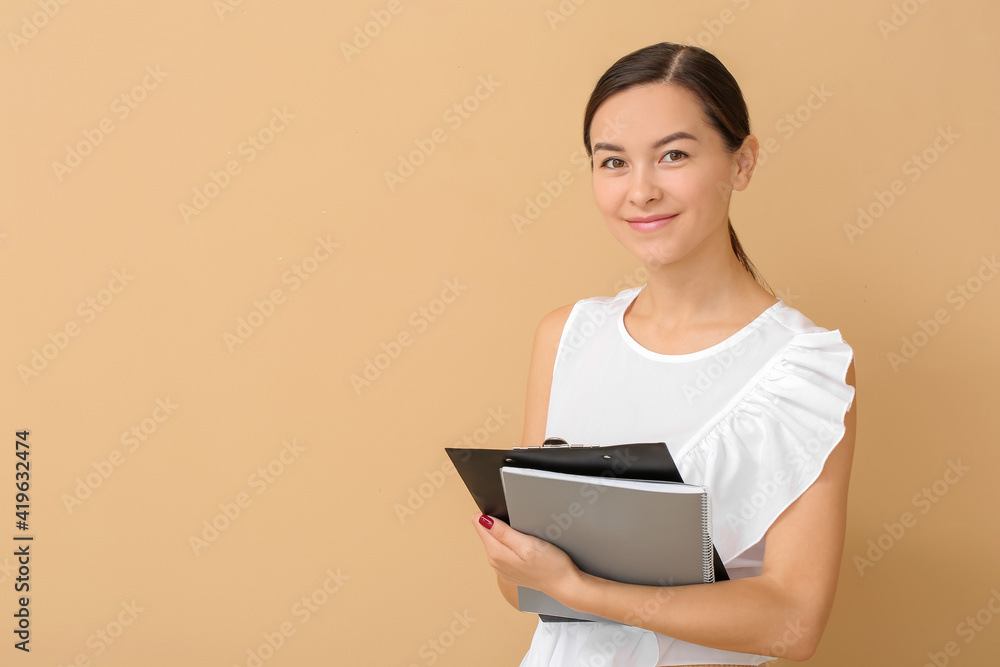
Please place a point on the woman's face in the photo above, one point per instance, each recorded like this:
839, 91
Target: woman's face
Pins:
662, 177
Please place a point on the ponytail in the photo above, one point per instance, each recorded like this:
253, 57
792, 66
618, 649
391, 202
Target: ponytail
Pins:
745, 261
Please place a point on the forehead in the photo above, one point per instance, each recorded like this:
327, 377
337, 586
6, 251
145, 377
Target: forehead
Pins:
647, 112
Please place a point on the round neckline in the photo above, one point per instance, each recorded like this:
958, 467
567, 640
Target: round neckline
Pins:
691, 356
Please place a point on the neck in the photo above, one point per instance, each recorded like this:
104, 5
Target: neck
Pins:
709, 284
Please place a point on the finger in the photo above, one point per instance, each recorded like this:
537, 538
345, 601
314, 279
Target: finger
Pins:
509, 539
497, 528
484, 524
497, 537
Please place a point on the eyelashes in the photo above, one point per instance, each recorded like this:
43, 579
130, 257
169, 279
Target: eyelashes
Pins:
606, 162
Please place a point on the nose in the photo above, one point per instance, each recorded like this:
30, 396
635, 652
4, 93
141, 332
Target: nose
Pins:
644, 188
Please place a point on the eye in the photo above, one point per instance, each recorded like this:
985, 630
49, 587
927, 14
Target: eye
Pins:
681, 155
618, 160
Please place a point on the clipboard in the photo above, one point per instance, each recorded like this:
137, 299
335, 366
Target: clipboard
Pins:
480, 470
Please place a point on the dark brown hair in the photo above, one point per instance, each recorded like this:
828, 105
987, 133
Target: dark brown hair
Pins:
701, 73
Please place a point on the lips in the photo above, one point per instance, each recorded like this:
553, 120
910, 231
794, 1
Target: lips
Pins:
650, 223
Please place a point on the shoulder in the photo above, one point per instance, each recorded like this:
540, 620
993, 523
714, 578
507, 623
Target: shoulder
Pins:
551, 327
814, 345
773, 440
794, 320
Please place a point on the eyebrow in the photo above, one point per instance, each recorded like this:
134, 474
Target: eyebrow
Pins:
602, 146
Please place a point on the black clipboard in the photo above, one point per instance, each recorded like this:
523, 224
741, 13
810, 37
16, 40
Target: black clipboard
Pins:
480, 470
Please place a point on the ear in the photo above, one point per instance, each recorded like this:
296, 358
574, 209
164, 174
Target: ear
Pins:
745, 162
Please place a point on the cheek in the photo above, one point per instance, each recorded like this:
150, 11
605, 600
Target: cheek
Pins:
610, 195
605, 198
691, 187
713, 188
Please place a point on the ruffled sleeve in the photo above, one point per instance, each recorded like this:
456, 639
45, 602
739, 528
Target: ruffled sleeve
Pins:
768, 448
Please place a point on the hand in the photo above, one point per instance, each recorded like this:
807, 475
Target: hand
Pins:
525, 560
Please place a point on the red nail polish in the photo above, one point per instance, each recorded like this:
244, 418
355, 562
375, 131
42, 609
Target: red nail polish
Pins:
486, 521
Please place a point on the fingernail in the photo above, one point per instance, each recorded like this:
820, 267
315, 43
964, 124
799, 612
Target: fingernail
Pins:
486, 521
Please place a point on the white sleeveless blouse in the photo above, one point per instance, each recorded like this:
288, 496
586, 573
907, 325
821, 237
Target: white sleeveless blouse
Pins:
753, 418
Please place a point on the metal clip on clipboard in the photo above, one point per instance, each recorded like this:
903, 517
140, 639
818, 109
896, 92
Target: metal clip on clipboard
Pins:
557, 442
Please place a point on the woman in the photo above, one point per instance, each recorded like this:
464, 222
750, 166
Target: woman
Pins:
754, 400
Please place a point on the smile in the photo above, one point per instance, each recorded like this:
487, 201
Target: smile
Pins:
651, 223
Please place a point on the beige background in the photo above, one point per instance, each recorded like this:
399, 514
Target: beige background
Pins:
364, 454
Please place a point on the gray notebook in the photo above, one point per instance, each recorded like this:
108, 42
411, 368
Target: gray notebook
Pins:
632, 531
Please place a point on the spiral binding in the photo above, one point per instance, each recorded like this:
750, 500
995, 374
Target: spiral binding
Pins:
707, 552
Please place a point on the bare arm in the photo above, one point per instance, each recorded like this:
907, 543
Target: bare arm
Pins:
783, 611
543, 357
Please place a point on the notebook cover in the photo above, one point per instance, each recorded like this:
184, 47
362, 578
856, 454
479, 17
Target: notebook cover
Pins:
668, 534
